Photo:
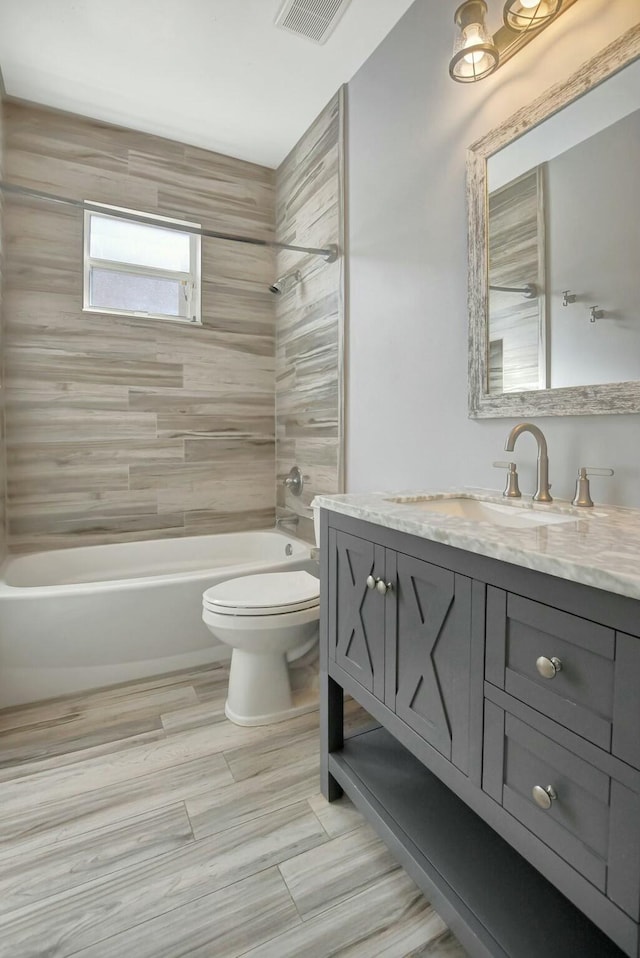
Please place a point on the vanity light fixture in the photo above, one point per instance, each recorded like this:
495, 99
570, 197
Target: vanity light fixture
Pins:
476, 53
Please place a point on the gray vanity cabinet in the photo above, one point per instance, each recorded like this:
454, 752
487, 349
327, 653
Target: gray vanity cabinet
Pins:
407, 642
505, 768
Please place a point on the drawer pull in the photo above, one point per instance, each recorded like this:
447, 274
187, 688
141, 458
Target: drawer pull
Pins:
384, 587
544, 796
548, 668
372, 582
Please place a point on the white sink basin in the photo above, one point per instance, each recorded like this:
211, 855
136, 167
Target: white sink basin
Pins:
478, 510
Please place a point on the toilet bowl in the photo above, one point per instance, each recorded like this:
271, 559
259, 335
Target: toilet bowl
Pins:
267, 620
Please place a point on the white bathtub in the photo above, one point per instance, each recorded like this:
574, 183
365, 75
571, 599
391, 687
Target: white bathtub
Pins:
76, 619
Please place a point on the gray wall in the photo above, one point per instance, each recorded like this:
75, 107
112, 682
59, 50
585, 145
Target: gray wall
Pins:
409, 127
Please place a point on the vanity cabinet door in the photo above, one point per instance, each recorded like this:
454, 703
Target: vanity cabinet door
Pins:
431, 670
356, 635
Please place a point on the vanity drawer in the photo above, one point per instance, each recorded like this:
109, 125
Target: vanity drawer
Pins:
580, 813
523, 635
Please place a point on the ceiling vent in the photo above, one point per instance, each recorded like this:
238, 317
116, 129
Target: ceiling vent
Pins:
314, 19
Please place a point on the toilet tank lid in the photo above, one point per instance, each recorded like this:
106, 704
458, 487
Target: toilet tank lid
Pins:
269, 590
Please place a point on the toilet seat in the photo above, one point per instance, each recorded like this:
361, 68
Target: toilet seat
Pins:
272, 593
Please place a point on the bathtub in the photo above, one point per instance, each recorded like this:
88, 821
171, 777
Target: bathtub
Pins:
76, 619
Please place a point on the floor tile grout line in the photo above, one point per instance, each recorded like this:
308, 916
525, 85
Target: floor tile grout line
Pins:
136, 777
253, 818
140, 924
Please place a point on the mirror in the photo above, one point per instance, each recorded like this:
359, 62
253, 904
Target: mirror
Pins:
554, 249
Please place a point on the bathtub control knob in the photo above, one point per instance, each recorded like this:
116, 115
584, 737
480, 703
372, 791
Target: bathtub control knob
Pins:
294, 481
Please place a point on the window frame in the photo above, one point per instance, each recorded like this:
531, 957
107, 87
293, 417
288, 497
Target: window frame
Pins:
192, 278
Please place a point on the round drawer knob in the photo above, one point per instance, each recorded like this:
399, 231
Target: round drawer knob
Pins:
548, 668
372, 582
543, 796
384, 587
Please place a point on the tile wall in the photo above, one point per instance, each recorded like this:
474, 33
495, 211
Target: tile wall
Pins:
310, 318
121, 429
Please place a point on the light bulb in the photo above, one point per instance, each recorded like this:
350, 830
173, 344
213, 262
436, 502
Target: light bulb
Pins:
523, 14
543, 8
472, 37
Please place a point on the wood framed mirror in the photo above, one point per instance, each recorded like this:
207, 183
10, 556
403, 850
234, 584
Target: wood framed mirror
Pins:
554, 248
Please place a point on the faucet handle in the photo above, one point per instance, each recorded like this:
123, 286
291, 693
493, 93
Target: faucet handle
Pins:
512, 490
583, 493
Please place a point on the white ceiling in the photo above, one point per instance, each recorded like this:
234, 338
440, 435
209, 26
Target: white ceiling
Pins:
213, 73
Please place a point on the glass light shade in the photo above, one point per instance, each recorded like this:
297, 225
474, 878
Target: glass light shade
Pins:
523, 15
475, 55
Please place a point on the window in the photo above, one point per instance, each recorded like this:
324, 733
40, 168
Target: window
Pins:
136, 269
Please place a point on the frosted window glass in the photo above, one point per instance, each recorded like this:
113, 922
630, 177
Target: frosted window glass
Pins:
129, 291
139, 245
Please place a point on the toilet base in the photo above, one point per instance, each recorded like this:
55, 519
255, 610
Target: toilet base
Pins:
302, 702
260, 691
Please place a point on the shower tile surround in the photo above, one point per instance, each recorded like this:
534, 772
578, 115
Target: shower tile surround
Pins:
310, 317
121, 429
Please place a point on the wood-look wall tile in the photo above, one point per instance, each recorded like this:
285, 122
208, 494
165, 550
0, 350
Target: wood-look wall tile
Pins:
50, 134
41, 423
95, 385
73, 179
206, 522
62, 455
309, 318
55, 365
74, 505
50, 481
87, 529
246, 451
235, 423
213, 495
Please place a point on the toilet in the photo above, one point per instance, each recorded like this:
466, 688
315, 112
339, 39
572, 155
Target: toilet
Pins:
268, 620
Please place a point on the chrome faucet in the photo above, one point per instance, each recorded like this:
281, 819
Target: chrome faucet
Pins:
542, 493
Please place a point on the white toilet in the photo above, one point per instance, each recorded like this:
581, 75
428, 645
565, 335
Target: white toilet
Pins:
268, 620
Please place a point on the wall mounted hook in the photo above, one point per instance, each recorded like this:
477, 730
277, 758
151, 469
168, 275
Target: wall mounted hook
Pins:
596, 313
568, 297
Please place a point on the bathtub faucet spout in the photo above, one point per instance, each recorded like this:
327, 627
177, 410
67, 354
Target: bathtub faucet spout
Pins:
291, 520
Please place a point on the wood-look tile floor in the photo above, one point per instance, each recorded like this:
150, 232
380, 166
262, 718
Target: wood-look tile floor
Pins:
137, 821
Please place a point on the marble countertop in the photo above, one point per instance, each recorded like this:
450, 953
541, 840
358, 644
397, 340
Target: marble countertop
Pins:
599, 547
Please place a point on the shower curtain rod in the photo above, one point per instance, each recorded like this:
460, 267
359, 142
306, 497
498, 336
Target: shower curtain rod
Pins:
330, 253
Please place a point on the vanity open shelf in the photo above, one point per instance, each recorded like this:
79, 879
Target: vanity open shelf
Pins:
475, 880
505, 775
